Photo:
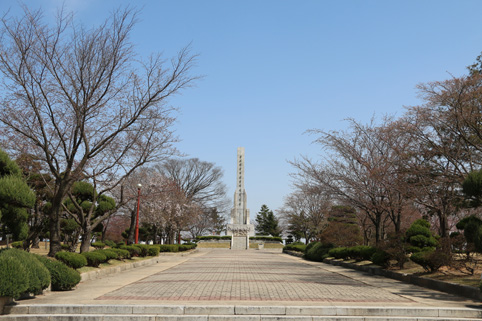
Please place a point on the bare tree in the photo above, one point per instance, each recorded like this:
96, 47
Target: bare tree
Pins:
360, 171
304, 212
202, 185
81, 101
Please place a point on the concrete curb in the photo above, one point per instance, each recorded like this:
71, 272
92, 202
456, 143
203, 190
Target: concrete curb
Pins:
452, 288
231, 311
92, 275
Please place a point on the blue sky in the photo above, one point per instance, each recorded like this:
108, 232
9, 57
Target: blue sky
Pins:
274, 69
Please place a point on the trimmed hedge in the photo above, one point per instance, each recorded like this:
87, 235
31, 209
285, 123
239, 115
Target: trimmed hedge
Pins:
38, 277
109, 254
153, 251
13, 277
133, 250
187, 247
266, 238
317, 251
63, 277
110, 243
98, 245
295, 247
143, 249
121, 254
213, 237
168, 248
94, 258
73, 260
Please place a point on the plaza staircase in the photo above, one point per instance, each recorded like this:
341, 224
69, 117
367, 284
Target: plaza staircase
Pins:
58, 312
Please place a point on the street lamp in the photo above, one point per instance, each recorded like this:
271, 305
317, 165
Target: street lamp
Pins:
137, 216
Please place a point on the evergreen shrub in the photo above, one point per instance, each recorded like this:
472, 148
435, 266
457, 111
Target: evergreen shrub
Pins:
73, 260
381, 258
94, 258
213, 237
98, 245
63, 277
143, 249
13, 277
110, 243
109, 254
187, 247
361, 252
340, 253
133, 250
317, 251
122, 254
266, 238
17, 245
168, 248
38, 277
153, 250
295, 247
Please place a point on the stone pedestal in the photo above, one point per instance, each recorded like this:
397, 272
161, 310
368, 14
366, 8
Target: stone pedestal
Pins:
240, 234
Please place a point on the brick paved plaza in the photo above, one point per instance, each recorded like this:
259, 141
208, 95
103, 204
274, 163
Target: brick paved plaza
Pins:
224, 275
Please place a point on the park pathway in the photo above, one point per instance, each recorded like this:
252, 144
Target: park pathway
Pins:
225, 277
258, 285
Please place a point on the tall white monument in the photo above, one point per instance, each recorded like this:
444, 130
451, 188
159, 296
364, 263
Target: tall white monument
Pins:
239, 228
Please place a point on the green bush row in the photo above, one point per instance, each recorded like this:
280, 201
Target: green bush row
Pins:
297, 246
213, 237
266, 238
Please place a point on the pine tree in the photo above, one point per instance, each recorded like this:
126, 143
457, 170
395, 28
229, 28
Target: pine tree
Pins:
15, 198
267, 223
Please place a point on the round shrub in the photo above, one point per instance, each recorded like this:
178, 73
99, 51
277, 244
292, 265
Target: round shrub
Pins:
74, 260
65, 247
109, 254
318, 251
419, 227
110, 243
422, 241
133, 250
63, 277
143, 249
13, 277
122, 254
94, 258
38, 276
153, 251
98, 245
381, 258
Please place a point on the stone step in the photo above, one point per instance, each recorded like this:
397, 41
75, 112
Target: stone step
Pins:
235, 312
130, 317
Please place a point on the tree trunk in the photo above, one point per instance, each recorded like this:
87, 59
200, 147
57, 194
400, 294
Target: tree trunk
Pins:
86, 237
443, 224
54, 232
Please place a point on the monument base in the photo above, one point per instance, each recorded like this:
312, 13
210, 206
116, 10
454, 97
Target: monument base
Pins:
240, 234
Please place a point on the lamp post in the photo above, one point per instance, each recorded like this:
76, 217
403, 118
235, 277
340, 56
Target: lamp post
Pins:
137, 216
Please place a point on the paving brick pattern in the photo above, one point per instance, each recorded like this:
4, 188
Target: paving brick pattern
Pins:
225, 275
